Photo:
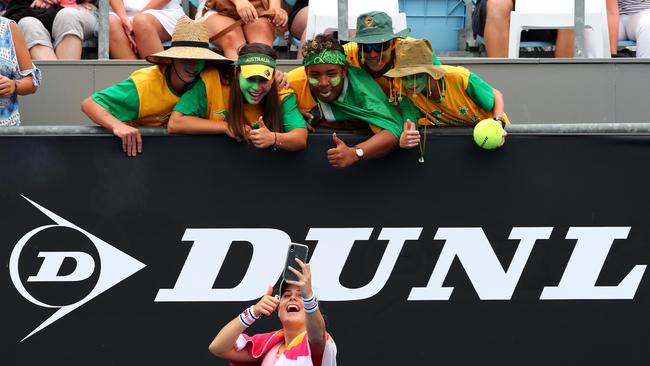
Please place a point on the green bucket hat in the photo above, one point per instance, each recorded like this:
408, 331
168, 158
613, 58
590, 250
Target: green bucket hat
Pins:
376, 27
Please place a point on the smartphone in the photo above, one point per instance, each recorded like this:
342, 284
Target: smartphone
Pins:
299, 251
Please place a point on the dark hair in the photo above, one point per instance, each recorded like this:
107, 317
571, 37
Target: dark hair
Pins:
319, 44
270, 102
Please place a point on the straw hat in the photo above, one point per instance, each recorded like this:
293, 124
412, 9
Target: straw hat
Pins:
414, 56
189, 42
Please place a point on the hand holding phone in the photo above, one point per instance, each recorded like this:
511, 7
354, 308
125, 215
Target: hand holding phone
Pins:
299, 251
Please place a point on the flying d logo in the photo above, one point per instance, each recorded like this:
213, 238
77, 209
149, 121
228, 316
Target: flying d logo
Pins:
115, 267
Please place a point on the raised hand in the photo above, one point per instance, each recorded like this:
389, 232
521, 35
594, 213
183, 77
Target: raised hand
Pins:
262, 137
267, 304
304, 278
341, 155
410, 137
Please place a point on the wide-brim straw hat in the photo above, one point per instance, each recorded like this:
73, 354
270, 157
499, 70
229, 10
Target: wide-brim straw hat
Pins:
414, 56
190, 41
376, 27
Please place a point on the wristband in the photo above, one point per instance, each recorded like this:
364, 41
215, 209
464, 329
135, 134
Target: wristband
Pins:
247, 317
310, 305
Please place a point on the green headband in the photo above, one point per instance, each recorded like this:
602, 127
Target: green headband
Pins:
325, 57
256, 59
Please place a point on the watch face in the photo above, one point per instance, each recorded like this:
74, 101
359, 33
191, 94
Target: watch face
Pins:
359, 152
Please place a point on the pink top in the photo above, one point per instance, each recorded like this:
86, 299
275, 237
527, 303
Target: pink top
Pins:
69, 3
272, 356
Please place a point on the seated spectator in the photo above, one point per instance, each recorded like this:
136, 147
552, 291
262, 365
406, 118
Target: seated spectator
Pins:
338, 96
62, 37
147, 97
18, 75
491, 20
233, 23
245, 106
138, 27
439, 95
627, 20
298, 11
633, 24
376, 55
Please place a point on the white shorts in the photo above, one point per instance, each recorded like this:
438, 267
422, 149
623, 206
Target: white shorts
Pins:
167, 16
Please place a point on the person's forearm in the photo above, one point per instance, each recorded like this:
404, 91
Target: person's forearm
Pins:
99, 114
293, 140
156, 4
25, 86
316, 331
497, 110
612, 24
378, 145
225, 340
180, 123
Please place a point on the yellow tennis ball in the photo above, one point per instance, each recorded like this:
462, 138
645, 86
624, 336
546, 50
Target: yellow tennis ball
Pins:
488, 134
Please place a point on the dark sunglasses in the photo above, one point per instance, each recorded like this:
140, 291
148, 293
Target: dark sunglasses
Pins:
377, 47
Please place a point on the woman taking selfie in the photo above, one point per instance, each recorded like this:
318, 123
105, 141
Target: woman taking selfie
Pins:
302, 340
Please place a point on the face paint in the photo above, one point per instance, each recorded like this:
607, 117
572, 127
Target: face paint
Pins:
247, 86
414, 84
313, 81
199, 66
335, 81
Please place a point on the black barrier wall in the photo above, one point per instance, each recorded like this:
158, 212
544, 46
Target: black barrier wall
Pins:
534, 254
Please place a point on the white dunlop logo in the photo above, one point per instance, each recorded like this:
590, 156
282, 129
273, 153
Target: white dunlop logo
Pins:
209, 247
116, 266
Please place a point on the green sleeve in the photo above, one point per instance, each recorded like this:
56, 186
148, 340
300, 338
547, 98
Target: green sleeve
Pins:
480, 92
409, 110
291, 117
121, 100
194, 102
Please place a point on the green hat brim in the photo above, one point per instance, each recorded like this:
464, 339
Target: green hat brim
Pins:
436, 72
380, 38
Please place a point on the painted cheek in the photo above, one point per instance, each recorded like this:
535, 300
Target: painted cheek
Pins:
199, 66
313, 81
335, 81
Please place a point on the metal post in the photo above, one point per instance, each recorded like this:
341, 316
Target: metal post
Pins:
343, 20
185, 4
579, 29
102, 31
466, 38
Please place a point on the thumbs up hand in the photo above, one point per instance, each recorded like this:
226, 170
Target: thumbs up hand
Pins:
410, 137
342, 155
267, 304
262, 137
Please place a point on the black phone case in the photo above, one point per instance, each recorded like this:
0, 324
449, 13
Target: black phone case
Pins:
295, 251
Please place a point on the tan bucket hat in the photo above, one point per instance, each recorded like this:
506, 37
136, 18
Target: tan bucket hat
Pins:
414, 56
189, 42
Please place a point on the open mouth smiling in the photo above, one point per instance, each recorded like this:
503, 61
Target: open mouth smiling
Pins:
293, 308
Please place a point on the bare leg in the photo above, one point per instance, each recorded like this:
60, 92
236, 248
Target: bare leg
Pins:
69, 48
229, 42
40, 52
259, 31
497, 27
564, 43
120, 47
299, 28
149, 34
